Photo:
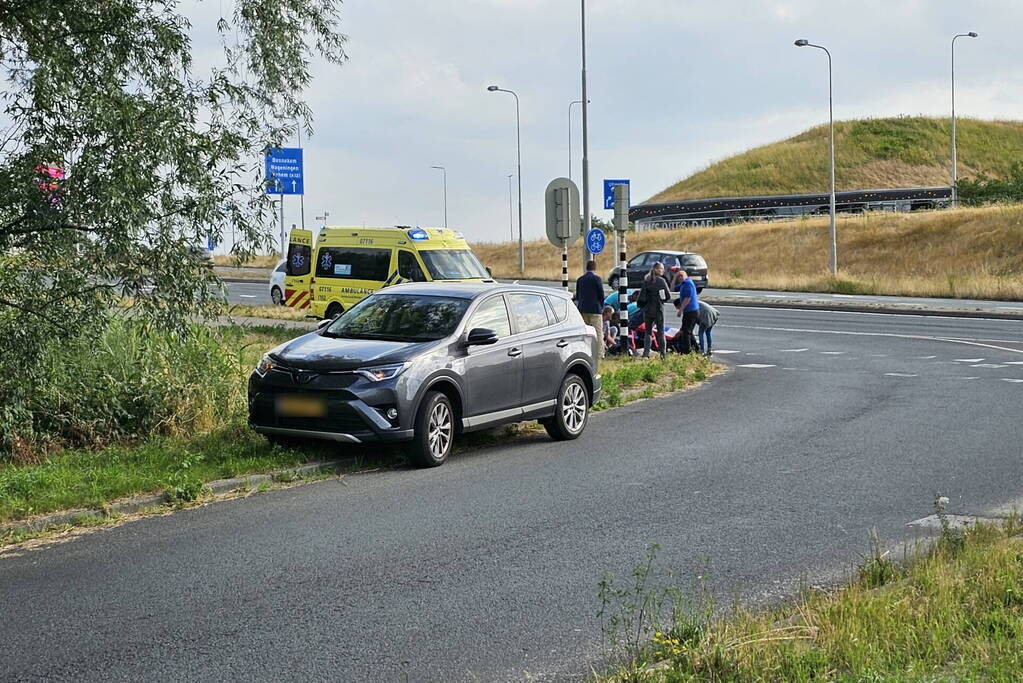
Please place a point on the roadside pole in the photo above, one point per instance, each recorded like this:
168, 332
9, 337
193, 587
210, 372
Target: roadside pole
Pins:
284, 241
561, 205
621, 225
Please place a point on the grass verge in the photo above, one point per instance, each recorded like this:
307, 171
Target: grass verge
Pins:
955, 614
269, 312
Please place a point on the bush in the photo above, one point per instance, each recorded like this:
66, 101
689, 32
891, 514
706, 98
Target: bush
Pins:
129, 381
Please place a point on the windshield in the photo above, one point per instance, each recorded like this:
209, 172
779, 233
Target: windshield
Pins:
400, 317
452, 264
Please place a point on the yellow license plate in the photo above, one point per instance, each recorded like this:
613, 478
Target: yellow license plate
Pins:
301, 406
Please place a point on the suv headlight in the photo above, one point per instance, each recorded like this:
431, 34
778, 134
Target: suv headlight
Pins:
265, 365
382, 372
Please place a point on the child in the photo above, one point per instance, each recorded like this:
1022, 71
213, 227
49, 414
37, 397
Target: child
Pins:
705, 318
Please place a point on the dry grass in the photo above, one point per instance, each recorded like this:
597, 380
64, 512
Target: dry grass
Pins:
257, 261
869, 154
969, 253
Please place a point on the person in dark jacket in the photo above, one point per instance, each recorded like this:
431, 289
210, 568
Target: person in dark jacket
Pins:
652, 296
589, 297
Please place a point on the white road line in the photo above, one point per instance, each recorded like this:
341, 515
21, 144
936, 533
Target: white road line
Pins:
808, 370
882, 355
720, 351
832, 353
247, 296
988, 365
1011, 308
969, 360
965, 378
899, 374
1008, 379
1014, 362
847, 296
793, 350
874, 334
926, 357
886, 315
756, 365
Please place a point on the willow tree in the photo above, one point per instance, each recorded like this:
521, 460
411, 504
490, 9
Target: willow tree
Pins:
119, 154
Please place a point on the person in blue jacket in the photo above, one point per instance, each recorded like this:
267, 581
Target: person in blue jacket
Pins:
688, 307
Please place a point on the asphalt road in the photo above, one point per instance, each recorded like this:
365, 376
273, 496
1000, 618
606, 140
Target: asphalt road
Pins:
827, 425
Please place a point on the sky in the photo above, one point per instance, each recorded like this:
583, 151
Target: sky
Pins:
674, 85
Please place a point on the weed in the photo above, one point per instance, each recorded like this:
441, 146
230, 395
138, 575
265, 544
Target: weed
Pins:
877, 569
184, 485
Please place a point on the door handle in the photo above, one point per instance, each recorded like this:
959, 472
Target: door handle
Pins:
562, 344
515, 351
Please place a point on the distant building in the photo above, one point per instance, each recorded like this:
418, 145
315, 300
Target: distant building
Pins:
706, 212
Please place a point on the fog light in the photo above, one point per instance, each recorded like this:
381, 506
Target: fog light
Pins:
392, 413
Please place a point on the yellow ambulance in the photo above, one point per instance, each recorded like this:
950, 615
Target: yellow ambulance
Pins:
346, 264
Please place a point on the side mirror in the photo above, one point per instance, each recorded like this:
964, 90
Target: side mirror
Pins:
481, 336
490, 272
323, 323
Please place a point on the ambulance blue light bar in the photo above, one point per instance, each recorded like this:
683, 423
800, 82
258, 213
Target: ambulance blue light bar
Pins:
418, 234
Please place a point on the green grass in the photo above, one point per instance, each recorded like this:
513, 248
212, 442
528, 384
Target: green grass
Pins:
955, 614
626, 379
869, 154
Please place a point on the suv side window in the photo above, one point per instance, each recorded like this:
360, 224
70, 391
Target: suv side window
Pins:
492, 315
638, 260
529, 311
408, 267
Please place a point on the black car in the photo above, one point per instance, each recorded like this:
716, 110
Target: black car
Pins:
640, 265
422, 362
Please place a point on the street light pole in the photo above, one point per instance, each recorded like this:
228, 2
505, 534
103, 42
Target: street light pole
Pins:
511, 229
955, 190
802, 42
518, 152
586, 141
445, 172
570, 136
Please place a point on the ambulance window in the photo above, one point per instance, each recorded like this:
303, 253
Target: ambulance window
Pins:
298, 259
352, 263
408, 267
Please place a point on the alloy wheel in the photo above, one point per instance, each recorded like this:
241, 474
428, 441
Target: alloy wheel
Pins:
573, 407
439, 430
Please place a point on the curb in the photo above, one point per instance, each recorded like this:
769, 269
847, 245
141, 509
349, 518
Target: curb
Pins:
218, 487
861, 308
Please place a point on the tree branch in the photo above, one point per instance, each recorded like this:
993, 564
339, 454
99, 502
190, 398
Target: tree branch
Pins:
25, 309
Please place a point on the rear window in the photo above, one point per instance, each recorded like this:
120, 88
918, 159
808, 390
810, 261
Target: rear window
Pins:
349, 263
693, 261
298, 259
559, 306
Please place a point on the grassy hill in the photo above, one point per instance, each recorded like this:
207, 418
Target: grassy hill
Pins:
972, 253
869, 154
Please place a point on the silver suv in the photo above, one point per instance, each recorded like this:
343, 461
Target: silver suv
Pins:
421, 363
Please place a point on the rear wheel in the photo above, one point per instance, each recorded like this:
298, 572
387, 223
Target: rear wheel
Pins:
571, 411
276, 296
434, 431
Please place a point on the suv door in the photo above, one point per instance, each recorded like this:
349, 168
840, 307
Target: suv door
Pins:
542, 364
493, 374
638, 268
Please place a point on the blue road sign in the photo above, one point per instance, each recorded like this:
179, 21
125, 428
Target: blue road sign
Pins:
609, 191
211, 243
595, 240
284, 171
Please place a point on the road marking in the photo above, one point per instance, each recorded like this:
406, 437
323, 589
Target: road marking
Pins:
1014, 362
247, 296
847, 296
832, 353
965, 378
988, 365
882, 355
926, 357
756, 365
793, 350
719, 351
1009, 379
874, 334
887, 315
1011, 308
798, 369
968, 360
898, 374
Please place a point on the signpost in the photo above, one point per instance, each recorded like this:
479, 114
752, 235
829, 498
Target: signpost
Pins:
595, 241
284, 175
561, 200
609, 194
621, 207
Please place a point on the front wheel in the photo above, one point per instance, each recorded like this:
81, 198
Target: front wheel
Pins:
571, 412
433, 432
276, 296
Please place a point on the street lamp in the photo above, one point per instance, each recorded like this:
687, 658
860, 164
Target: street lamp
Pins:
955, 191
803, 42
445, 172
511, 229
570, 136
586, 139
518, 150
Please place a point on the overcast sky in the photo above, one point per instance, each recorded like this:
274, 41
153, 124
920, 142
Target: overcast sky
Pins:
674, 85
